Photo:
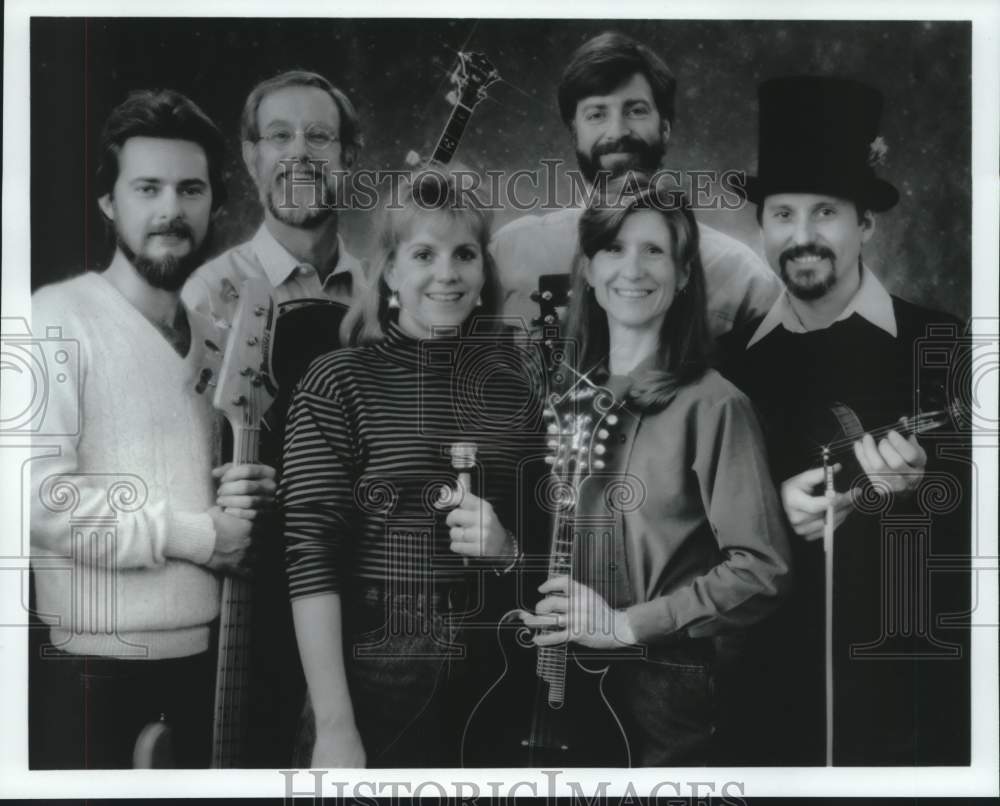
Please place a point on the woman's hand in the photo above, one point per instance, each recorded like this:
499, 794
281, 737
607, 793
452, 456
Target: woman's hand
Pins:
578, 614
476, 530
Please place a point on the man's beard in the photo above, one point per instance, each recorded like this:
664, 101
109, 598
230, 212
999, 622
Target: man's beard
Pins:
280, 199
642, 156
815, 285
170, 272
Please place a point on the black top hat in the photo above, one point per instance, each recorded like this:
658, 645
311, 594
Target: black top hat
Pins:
819, 134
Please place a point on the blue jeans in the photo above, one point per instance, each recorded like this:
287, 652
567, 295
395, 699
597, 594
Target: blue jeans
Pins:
667, 703
406, 662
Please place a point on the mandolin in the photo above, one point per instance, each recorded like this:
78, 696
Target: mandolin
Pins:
828, 436
571, 722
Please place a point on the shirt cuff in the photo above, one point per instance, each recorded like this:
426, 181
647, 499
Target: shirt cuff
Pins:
190, 536
650, 621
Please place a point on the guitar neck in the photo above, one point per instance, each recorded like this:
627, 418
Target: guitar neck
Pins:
246, 444
233, 664
447, 144
907, 426
551, 663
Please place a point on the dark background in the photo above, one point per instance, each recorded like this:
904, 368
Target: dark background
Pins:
396, 72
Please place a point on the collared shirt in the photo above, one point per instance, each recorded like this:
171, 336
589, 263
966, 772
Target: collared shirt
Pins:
871, 302
739, 286
262, 256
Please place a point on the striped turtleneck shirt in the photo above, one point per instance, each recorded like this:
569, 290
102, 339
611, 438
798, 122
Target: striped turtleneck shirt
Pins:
367, 453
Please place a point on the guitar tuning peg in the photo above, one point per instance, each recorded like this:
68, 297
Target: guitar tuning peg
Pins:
452, 97
602, 433
550, 460
535, 297
598, 464
600, 450
547, 295
611, 419
553, 443
552, 428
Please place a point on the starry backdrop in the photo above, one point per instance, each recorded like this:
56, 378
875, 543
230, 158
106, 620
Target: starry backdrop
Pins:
396, 72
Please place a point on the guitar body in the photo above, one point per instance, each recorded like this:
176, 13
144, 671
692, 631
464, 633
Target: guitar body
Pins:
154, 748
514, 725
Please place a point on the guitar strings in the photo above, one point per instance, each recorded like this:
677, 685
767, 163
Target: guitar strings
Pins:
913, 424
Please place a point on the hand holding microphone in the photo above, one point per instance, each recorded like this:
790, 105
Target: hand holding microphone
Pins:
475, 529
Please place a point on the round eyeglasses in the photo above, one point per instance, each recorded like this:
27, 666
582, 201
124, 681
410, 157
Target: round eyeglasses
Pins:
317, 139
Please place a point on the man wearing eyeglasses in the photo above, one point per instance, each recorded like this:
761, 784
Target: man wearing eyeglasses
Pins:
300, 137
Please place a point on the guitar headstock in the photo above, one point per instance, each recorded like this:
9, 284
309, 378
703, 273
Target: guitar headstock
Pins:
579, 425
471, 77
246, 387
210, 335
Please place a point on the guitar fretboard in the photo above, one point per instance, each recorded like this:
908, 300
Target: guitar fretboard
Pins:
452, 134
233, 665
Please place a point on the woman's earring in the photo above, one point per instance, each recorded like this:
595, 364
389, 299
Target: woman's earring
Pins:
479, 301
394, 300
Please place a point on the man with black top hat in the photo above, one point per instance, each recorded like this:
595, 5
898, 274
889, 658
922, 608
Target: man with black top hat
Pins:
833, 364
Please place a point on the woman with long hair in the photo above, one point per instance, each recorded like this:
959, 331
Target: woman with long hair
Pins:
389, 541
698, 546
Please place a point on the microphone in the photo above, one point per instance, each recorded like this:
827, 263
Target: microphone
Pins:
463, 459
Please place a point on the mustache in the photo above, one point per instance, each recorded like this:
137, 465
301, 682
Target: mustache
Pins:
313, 170
806, 250
176, 228
627, 143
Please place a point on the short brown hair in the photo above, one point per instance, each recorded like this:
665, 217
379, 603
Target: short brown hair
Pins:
607, 61
350, 129
164, 114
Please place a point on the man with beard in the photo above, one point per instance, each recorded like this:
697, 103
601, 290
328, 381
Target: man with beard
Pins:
300, 135
130, 525
617, 99
837, 338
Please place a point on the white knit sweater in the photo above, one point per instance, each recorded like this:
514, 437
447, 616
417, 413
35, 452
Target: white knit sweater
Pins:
120, 539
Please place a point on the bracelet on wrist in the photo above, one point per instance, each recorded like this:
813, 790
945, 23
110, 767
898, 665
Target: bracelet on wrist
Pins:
517, 556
